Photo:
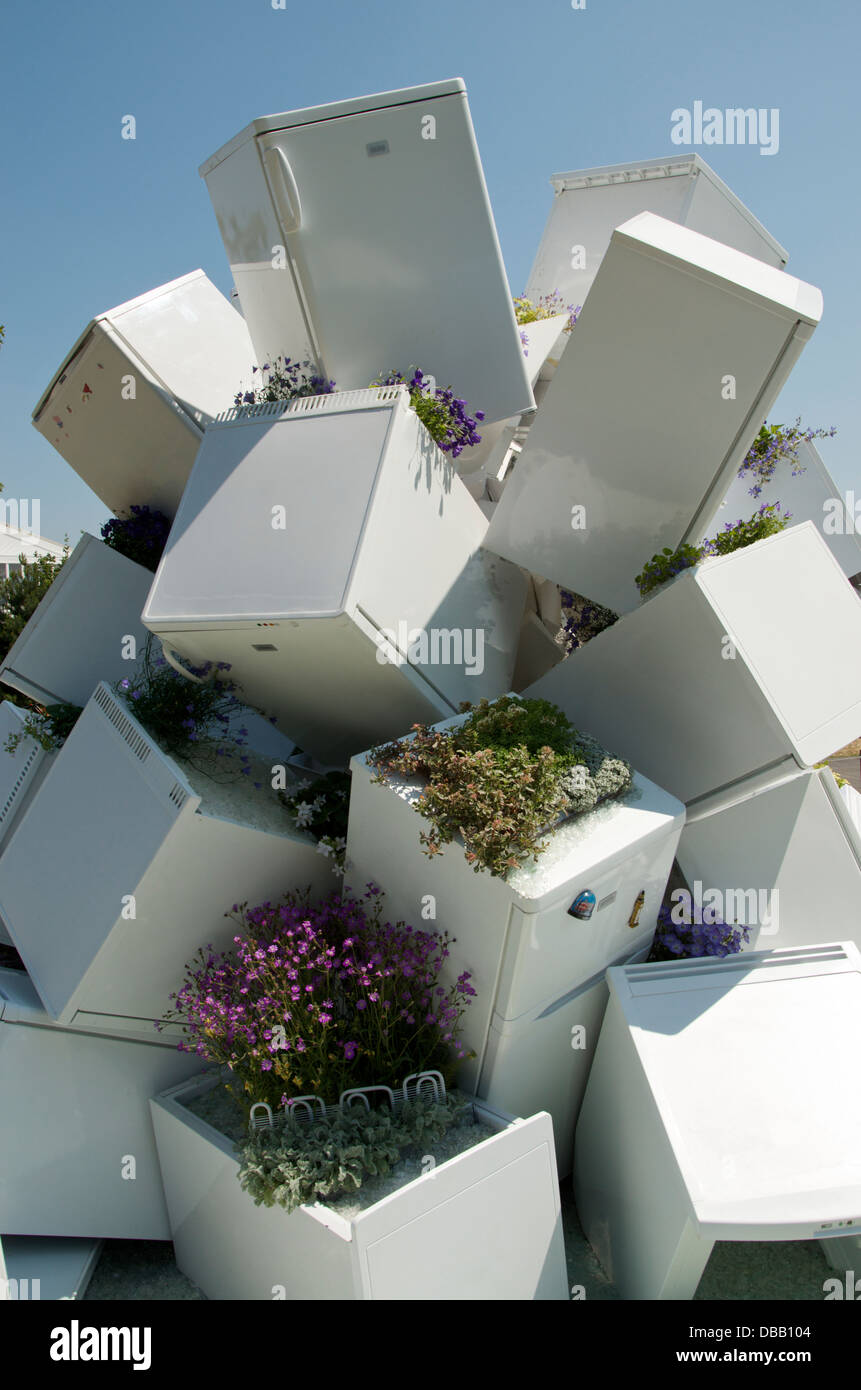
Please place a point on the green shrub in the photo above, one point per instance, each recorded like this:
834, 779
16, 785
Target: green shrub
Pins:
50, 727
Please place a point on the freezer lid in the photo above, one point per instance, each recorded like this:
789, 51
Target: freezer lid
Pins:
355, 106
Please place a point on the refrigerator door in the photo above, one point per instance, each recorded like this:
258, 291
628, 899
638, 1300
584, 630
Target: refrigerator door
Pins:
391, 256
680, 351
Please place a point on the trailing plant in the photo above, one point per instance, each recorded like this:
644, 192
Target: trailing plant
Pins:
49, 726
334, 1155
675, 940
187, 719
548, 306
323, 806
443, 414
285, 380
319, 999
141, 535
582, 620
767, 521
501, 778
773, 443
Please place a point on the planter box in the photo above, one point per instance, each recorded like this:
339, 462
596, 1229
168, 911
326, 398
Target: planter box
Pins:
184, 352
77, 634
537, 969
20, 774
382, 540
662, 687
783, 853
635, 429
392, 256
74, 1119
808, 496
589, 203
120, 820
484, 1225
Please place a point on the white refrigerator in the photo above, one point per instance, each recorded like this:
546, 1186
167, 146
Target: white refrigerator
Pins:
536, 943
360, 235
780, 853
676, 359
809, 495
128, 406
360, 599
743, 663
589, 203
77, 1151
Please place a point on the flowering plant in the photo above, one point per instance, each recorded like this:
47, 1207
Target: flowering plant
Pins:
443, 414
315, 1000
675, 939
548, 306
49, 726
734, 536
501, 778
773, 443
582, 620
323, 806
284, 380
141, 536
184, 717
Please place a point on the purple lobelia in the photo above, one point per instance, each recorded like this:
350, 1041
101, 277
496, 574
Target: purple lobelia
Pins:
444, 415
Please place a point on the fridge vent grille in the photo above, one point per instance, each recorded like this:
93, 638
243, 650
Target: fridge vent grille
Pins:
644, 977
177, 795
19, 782
313, 405
122, 724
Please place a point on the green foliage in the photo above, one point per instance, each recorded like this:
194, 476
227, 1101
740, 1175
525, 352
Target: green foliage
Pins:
736, 535
50, 727
767, 521
501, 779
21, 594
666, 565
299, 1163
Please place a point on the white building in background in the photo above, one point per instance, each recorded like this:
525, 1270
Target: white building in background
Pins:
15, 542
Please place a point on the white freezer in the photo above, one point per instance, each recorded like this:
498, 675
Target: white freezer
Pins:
637, 429
360, 235
518, 937
809, 496
144, 864
735, 666
77, 635
782, 854
717, 1109
380, 541
589, 203
128, 407
74, 1117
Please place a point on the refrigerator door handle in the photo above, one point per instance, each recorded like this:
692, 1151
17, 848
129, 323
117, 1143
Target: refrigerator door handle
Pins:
283, 187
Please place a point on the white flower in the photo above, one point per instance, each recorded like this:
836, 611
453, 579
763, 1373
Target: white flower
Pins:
303, 813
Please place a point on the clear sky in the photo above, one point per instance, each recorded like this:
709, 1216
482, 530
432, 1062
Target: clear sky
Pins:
90, 219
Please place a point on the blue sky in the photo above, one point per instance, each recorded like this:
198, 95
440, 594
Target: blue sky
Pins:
90, 220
